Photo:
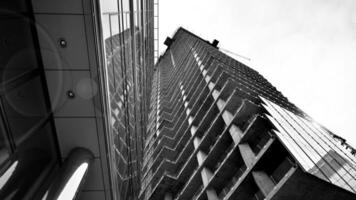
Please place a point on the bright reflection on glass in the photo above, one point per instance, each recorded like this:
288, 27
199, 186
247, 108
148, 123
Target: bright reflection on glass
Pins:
45, 196
315, 149
5, 177
72, 185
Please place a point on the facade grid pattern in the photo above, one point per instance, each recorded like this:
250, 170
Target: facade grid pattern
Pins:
213, 133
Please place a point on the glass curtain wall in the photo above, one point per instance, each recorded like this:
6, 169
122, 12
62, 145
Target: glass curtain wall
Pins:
27, 139
128, 30
313, 147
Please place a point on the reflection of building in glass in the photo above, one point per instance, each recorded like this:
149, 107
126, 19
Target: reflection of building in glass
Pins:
85, 112
28, 150
221, 131
333, 159
67, 115
314, 148
343, 142
130, 54
127, 94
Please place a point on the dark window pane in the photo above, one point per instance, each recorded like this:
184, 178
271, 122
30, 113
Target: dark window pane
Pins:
17, 53
31, 159
4, 144
24, 108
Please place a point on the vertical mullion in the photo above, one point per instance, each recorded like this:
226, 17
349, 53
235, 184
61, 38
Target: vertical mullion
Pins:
6, 128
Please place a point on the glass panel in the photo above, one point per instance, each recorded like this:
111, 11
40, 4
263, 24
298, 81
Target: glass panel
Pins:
17, 54
129, 61
25, 107
291, 144
313, 147
4, 144
332, 143
35, 156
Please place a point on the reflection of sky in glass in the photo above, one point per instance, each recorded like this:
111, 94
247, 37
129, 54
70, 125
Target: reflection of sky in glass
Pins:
313, 147
111, 6
115, 18
5, 177
72, 185
128, 44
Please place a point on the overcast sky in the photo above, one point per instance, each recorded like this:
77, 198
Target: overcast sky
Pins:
306, 48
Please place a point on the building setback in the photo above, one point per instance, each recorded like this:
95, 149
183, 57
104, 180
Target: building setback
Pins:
219, 130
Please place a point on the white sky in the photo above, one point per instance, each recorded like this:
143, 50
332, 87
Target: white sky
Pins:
306, 48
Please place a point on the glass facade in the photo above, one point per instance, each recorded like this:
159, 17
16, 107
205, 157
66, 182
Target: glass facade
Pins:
197, 125
27, 140
315, 149
129, 39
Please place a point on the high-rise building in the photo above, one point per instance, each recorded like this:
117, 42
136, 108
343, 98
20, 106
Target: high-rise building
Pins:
219, 130
85, 113
128, 92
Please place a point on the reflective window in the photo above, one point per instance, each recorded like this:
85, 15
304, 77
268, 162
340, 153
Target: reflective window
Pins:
313, 147
27, 141
17, 51
24, 105
127, 34
4, 145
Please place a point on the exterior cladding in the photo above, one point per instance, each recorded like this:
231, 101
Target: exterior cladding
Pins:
128, 91
130, 61
212, 133
126, 130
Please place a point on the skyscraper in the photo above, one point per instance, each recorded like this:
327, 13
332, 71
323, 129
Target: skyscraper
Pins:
219, 130
89, 111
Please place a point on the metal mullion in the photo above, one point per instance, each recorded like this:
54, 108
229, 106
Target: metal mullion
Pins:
18, 81
6, 127
43, 81
40, 124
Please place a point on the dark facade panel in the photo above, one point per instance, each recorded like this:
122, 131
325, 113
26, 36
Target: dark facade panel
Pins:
27, 139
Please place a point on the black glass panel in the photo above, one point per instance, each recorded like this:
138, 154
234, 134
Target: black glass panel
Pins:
4, 144
17, 54
27, 146
27, 165
25, 108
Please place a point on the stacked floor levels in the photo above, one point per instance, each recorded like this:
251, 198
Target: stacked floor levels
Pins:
219, 130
